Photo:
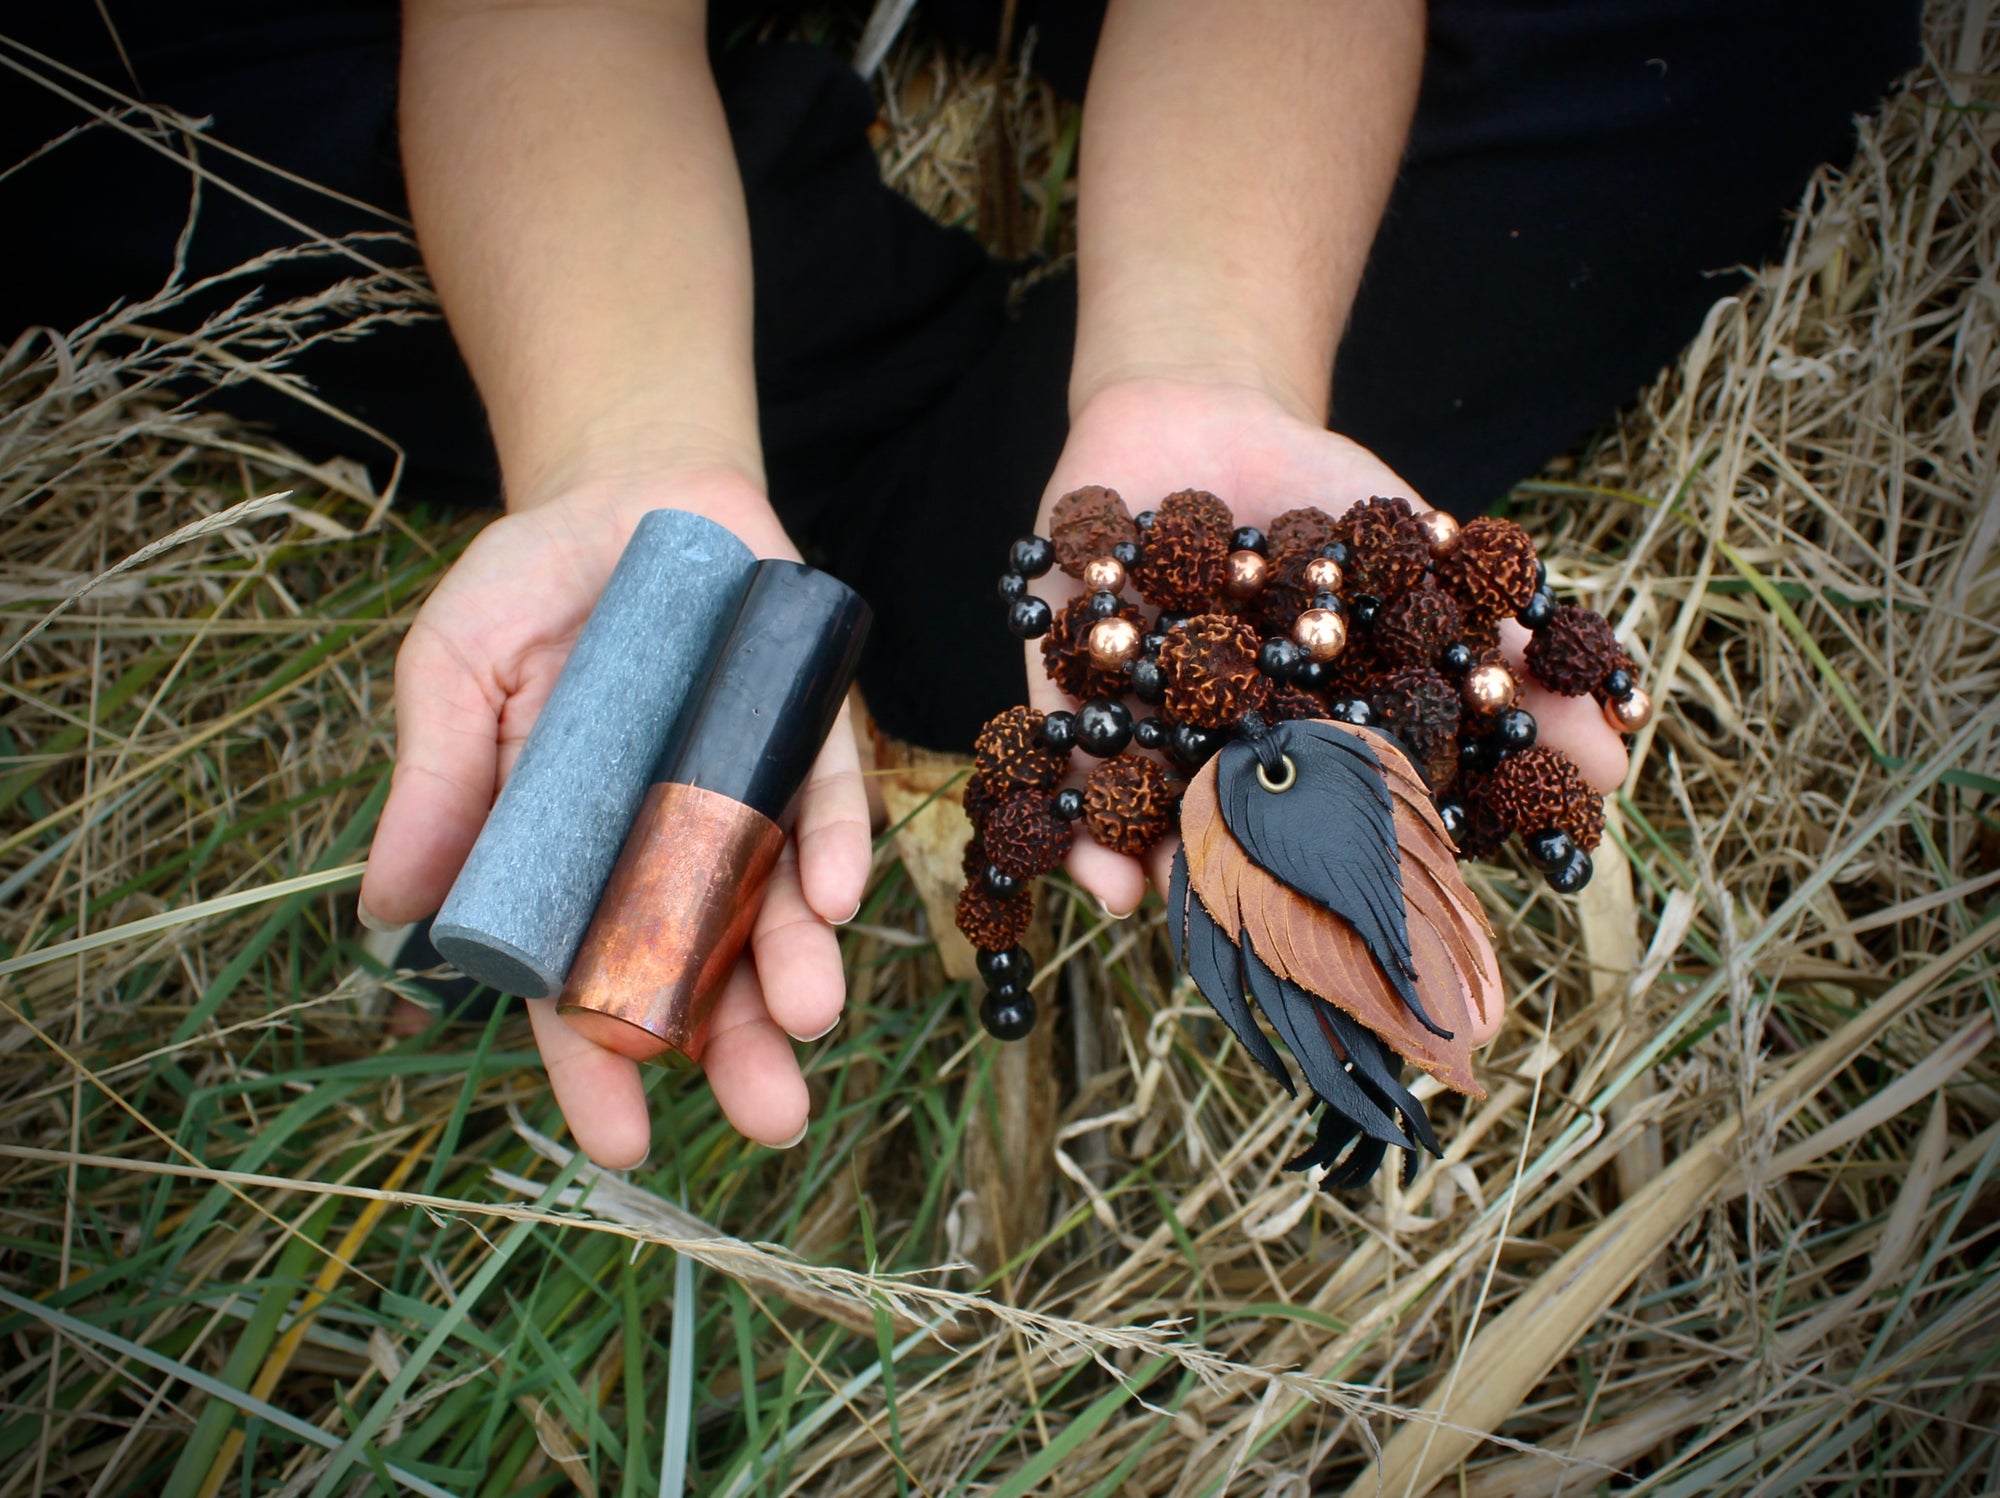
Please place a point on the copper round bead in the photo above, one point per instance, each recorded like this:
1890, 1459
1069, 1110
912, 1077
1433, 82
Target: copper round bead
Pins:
1244, 574
1104, 575
1630, 714
1114, 644
1323, 575
1490, 689
1320, 633
1440, 529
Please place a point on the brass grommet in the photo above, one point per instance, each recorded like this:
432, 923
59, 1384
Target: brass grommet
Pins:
1279, 787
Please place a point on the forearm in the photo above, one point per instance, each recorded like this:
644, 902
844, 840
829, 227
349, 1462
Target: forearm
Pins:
1236, 159
577, 199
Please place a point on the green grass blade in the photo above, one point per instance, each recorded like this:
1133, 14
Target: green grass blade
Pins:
215, 1388
253, 1343
1043, 1463
166, 920
399, 1387
680, 1383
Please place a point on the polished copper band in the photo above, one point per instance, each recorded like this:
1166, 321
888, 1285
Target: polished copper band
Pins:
672, 922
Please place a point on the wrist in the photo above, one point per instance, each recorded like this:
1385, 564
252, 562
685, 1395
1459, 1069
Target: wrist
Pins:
1220, 350
632, 450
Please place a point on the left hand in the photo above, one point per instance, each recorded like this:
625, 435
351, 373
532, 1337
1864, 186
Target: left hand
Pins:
1147, 438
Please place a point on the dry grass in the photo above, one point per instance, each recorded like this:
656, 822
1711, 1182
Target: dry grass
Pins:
1724, 1224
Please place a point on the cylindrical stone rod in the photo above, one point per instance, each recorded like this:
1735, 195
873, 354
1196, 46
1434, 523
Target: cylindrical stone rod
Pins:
520, 906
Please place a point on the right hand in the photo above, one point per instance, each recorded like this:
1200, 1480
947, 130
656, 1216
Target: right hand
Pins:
1147, 438
479, 662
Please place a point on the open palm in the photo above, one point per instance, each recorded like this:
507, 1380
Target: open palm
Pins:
1147, 439
478, 665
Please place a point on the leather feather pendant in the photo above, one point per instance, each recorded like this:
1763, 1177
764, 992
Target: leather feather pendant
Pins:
1315, 879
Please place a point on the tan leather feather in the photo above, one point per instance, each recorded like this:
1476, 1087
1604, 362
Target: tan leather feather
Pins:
1450, 941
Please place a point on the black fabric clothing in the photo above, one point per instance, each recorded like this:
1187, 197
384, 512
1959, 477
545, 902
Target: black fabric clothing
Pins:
1581, 183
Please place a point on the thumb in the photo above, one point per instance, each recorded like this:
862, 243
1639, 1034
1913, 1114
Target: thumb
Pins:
447, 765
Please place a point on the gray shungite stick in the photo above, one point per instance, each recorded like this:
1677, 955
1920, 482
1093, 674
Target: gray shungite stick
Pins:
519, 909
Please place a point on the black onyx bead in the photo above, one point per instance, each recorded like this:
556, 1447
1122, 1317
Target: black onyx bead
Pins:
1011, 966
1069, 803
1540, 610
1008, 1013
1001, 886
1103, 727
1353, 711
1457, 658
1149, 733
1192, 746
1330, 602
1550, 846
1619, 685
1248, 538
1541, 573
1337, 552
1150, 643
1365, 608
1312, 675
1145, 518
1031, 556
1279, 657
1515, 730
1452, 812
1029, 618
1126, 554
1149, 682
1058, 732
1103, 605
1478, 755
1168, 623
1571, 875
1013, 586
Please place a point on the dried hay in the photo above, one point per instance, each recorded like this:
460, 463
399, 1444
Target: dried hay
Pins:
1722, 1226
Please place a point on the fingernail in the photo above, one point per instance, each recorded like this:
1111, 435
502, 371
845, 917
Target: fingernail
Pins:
795, 1138
832, 1025
372, 921
850, 916
1116, 915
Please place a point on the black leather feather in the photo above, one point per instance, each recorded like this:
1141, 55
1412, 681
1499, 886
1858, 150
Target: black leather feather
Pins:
1331, 837
1380, 1071
1323, 886
1335, 1133
1208, 957
1177, 898
1295, 1015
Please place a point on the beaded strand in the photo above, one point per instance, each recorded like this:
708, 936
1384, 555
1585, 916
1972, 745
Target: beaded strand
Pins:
1219, 659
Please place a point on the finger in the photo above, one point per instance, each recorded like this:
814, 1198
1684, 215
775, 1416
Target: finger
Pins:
797, 957
442, 787
834, 852
1116, 882
751, 1066
598, 1091
1574, 725
1482, 1029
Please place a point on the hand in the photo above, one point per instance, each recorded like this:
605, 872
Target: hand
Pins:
1147, 438
479, 662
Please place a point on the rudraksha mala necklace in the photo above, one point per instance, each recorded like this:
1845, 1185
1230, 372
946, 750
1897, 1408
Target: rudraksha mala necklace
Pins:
1331, 726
